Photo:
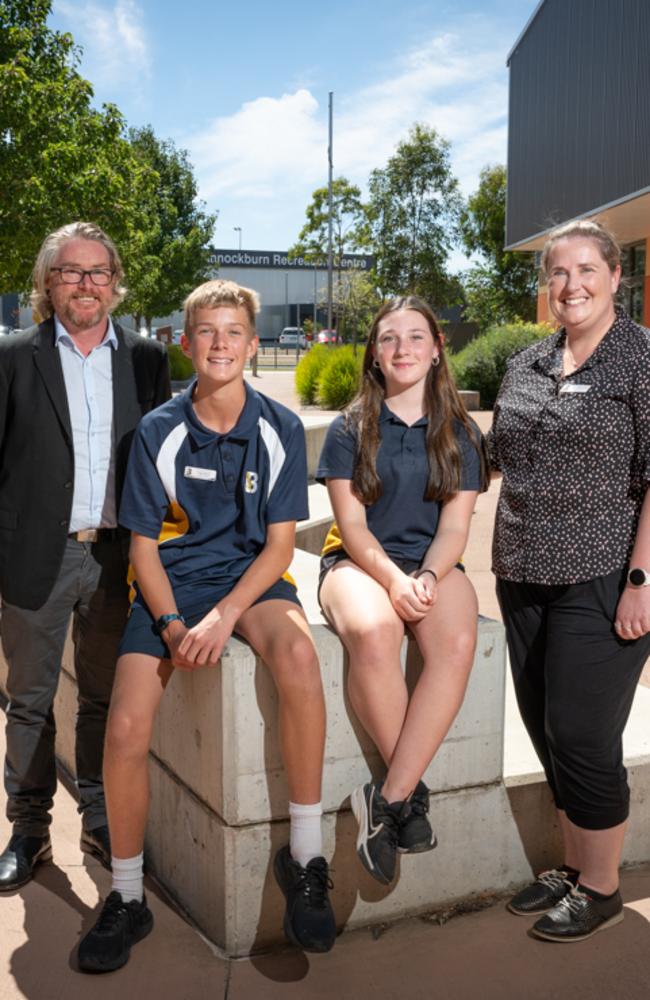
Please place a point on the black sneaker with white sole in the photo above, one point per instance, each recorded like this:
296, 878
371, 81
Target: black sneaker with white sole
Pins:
578, 916
541, 895
120, 925
379, 825
309, 919
415, 833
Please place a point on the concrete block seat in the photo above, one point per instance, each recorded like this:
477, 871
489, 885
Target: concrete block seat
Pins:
219, 795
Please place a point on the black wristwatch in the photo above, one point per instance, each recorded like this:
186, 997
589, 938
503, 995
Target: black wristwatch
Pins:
166, 620
638, 577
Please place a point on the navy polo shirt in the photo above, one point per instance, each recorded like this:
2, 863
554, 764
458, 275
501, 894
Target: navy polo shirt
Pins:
208, 498
401, 520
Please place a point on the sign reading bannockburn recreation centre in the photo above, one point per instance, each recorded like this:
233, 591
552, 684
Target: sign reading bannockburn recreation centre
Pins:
280, 259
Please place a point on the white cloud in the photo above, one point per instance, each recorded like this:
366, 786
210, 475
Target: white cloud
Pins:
264, 160
264, 146
113, 38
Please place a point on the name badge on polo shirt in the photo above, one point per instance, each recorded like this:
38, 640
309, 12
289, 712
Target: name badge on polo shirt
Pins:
191, 472
573, 387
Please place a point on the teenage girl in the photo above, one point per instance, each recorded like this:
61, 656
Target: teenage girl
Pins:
403, 466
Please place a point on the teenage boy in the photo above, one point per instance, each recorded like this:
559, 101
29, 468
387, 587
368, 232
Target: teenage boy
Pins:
216, 481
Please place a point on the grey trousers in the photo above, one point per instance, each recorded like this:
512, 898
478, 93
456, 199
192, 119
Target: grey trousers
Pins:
91, 587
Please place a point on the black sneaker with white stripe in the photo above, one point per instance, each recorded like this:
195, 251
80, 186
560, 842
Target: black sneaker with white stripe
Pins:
415, 833
378, 836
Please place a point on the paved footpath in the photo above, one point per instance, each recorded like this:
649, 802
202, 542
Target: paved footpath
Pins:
481, 955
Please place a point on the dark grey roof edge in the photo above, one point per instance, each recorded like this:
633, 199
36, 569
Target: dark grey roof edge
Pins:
583, 215
524, 30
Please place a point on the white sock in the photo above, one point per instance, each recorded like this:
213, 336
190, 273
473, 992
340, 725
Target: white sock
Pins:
305, 838
128, 877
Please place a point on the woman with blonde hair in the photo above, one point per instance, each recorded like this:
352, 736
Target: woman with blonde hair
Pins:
403, 466
571, 435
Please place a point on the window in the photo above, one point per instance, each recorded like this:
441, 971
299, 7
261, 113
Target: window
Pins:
632, 287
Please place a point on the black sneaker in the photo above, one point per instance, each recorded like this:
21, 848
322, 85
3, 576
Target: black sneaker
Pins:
578, 916
308, 920
415, 833
378, 834
108, 945
545, 892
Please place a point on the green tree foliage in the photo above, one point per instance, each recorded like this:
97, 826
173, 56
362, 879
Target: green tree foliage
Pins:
414, 208
173, 251
60, 158
481, 364
340, 378
355, 300
180, 366
349, 224
308, 372
503, 286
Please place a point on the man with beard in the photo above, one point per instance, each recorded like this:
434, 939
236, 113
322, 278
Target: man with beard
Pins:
72, 391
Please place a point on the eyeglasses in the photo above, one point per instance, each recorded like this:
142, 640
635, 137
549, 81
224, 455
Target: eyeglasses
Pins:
75, 275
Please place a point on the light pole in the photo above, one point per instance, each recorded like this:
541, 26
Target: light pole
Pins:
238, 230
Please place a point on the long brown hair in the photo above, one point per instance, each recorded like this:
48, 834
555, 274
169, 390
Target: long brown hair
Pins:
443, 406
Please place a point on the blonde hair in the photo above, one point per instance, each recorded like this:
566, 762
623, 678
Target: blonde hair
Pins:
212, 294
608, 245
40, 297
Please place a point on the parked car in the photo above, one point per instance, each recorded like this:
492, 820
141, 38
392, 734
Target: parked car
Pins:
326, 337
293, 336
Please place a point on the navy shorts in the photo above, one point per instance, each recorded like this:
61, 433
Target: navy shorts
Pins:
140, 635
329, 560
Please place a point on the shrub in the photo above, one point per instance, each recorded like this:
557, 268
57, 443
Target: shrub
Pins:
308, 371
180, 366
340, 378
481, 364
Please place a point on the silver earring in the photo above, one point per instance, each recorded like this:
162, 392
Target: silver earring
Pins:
375, 364
435, 361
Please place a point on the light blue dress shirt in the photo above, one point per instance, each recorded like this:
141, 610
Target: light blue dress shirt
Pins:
89, 387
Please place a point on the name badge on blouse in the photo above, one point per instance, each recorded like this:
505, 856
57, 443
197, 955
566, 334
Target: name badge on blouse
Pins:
569, 387
191, 472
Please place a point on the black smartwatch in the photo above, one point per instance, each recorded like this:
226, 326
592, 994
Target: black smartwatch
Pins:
166, 620
638, 577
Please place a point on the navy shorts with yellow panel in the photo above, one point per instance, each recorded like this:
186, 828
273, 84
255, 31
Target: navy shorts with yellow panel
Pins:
208, 498
402, 519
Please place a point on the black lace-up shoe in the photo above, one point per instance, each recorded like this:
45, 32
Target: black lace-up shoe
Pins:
378, 834
19, 859
415, 833
546, 891
98, 843
578, 916
120, 925
308, 919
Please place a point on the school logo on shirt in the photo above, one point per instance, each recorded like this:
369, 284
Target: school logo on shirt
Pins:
250, 483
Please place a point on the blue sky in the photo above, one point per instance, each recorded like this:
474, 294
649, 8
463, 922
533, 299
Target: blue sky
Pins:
244, 88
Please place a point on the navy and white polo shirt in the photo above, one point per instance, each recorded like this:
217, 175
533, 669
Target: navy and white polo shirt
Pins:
401, 520
209, 497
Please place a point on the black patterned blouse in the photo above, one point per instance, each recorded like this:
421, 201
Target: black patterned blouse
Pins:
575, 458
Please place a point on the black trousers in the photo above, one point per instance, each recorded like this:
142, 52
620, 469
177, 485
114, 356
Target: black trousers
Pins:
575, 682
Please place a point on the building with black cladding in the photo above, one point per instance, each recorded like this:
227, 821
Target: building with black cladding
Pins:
579, 130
